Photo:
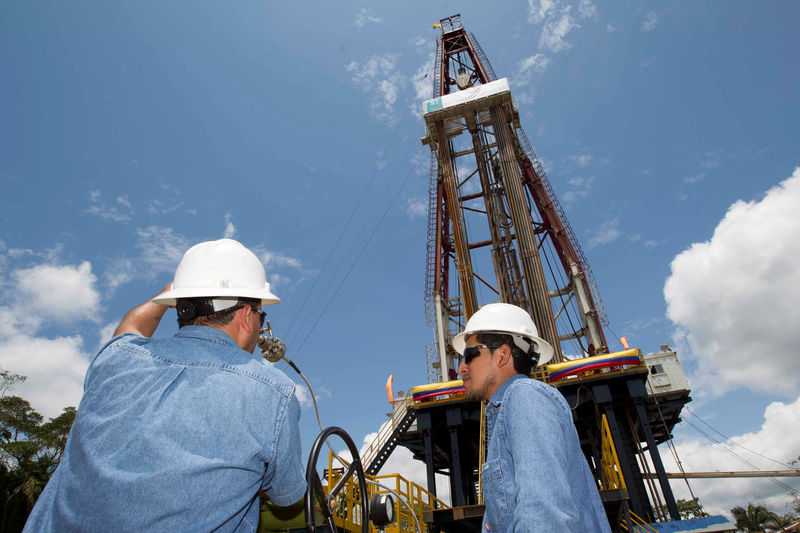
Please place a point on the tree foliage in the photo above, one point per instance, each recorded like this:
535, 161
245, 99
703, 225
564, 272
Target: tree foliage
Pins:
753, 519
30, 450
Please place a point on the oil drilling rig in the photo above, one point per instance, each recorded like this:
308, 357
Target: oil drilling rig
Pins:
496, 232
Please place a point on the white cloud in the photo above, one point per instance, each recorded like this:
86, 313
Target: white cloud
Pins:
106, 333
63, 293
419, 42
735, 299
610, 28
230, 229
586, 9
416, 207
529, 68
536, 63
364, 16
402, 462
378, 78
579, 188
650, 21
277, 259
774, 440
109, 212
695, 178
161, 248
168, 202
276, 280
582, 160
54, 367
608, 232
713, 159
555, 31
539, 10
160, 251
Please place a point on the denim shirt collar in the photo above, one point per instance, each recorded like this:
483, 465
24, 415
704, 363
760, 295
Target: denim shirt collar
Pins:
497, 398
206, 333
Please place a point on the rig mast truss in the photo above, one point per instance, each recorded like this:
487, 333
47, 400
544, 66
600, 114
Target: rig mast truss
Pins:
493, 218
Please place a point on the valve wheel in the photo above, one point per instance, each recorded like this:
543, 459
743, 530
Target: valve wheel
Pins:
314, 485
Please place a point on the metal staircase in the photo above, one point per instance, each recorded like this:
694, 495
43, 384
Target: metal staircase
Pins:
386, 441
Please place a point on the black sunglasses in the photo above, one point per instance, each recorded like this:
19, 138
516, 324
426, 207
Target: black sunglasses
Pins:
471, 352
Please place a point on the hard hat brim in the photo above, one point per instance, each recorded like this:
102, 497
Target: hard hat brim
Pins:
545, 349
169, 298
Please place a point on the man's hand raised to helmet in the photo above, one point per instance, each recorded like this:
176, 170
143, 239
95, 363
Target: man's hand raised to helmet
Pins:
144, 318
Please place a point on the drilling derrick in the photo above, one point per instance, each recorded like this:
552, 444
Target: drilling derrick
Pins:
493, 217
496, 232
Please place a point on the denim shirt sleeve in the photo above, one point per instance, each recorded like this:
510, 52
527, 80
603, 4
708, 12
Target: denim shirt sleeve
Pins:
537, 423
284, 481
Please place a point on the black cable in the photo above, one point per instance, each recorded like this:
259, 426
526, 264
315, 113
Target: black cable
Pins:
346, 224
734, 443
745, 461
364, 247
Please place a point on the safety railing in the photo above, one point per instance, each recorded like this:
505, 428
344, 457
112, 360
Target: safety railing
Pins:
636, 525
610, 470
408, 512
398, 413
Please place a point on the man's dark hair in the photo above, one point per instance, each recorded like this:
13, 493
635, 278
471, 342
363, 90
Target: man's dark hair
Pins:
200, 311
523, 362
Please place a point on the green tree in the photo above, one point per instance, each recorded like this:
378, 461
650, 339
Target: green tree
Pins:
753, 519
690, 509
30, 450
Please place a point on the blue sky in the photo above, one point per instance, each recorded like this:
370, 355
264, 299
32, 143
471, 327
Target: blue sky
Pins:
129, 131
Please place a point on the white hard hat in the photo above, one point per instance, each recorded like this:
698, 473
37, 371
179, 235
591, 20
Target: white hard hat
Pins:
219, 269
505, 318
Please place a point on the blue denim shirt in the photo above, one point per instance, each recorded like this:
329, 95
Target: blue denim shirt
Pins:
536, 477
175, 434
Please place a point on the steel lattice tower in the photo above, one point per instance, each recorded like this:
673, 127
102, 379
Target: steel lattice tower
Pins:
496, 231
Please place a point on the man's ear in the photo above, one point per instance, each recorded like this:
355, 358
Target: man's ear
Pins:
241, 315
505, 357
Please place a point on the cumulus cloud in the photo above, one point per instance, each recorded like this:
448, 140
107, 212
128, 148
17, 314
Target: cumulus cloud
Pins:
63, 293
402, 462
378, 77
734, 298
607, 233
773, 440
423, 84
650, 21
365, 16
54, 366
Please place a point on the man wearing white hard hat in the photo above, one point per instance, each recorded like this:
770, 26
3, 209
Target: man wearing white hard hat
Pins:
181, 433
535, 477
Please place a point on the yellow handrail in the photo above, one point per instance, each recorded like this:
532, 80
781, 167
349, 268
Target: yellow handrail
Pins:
611, 472
347, 510
386, 431
638, 524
